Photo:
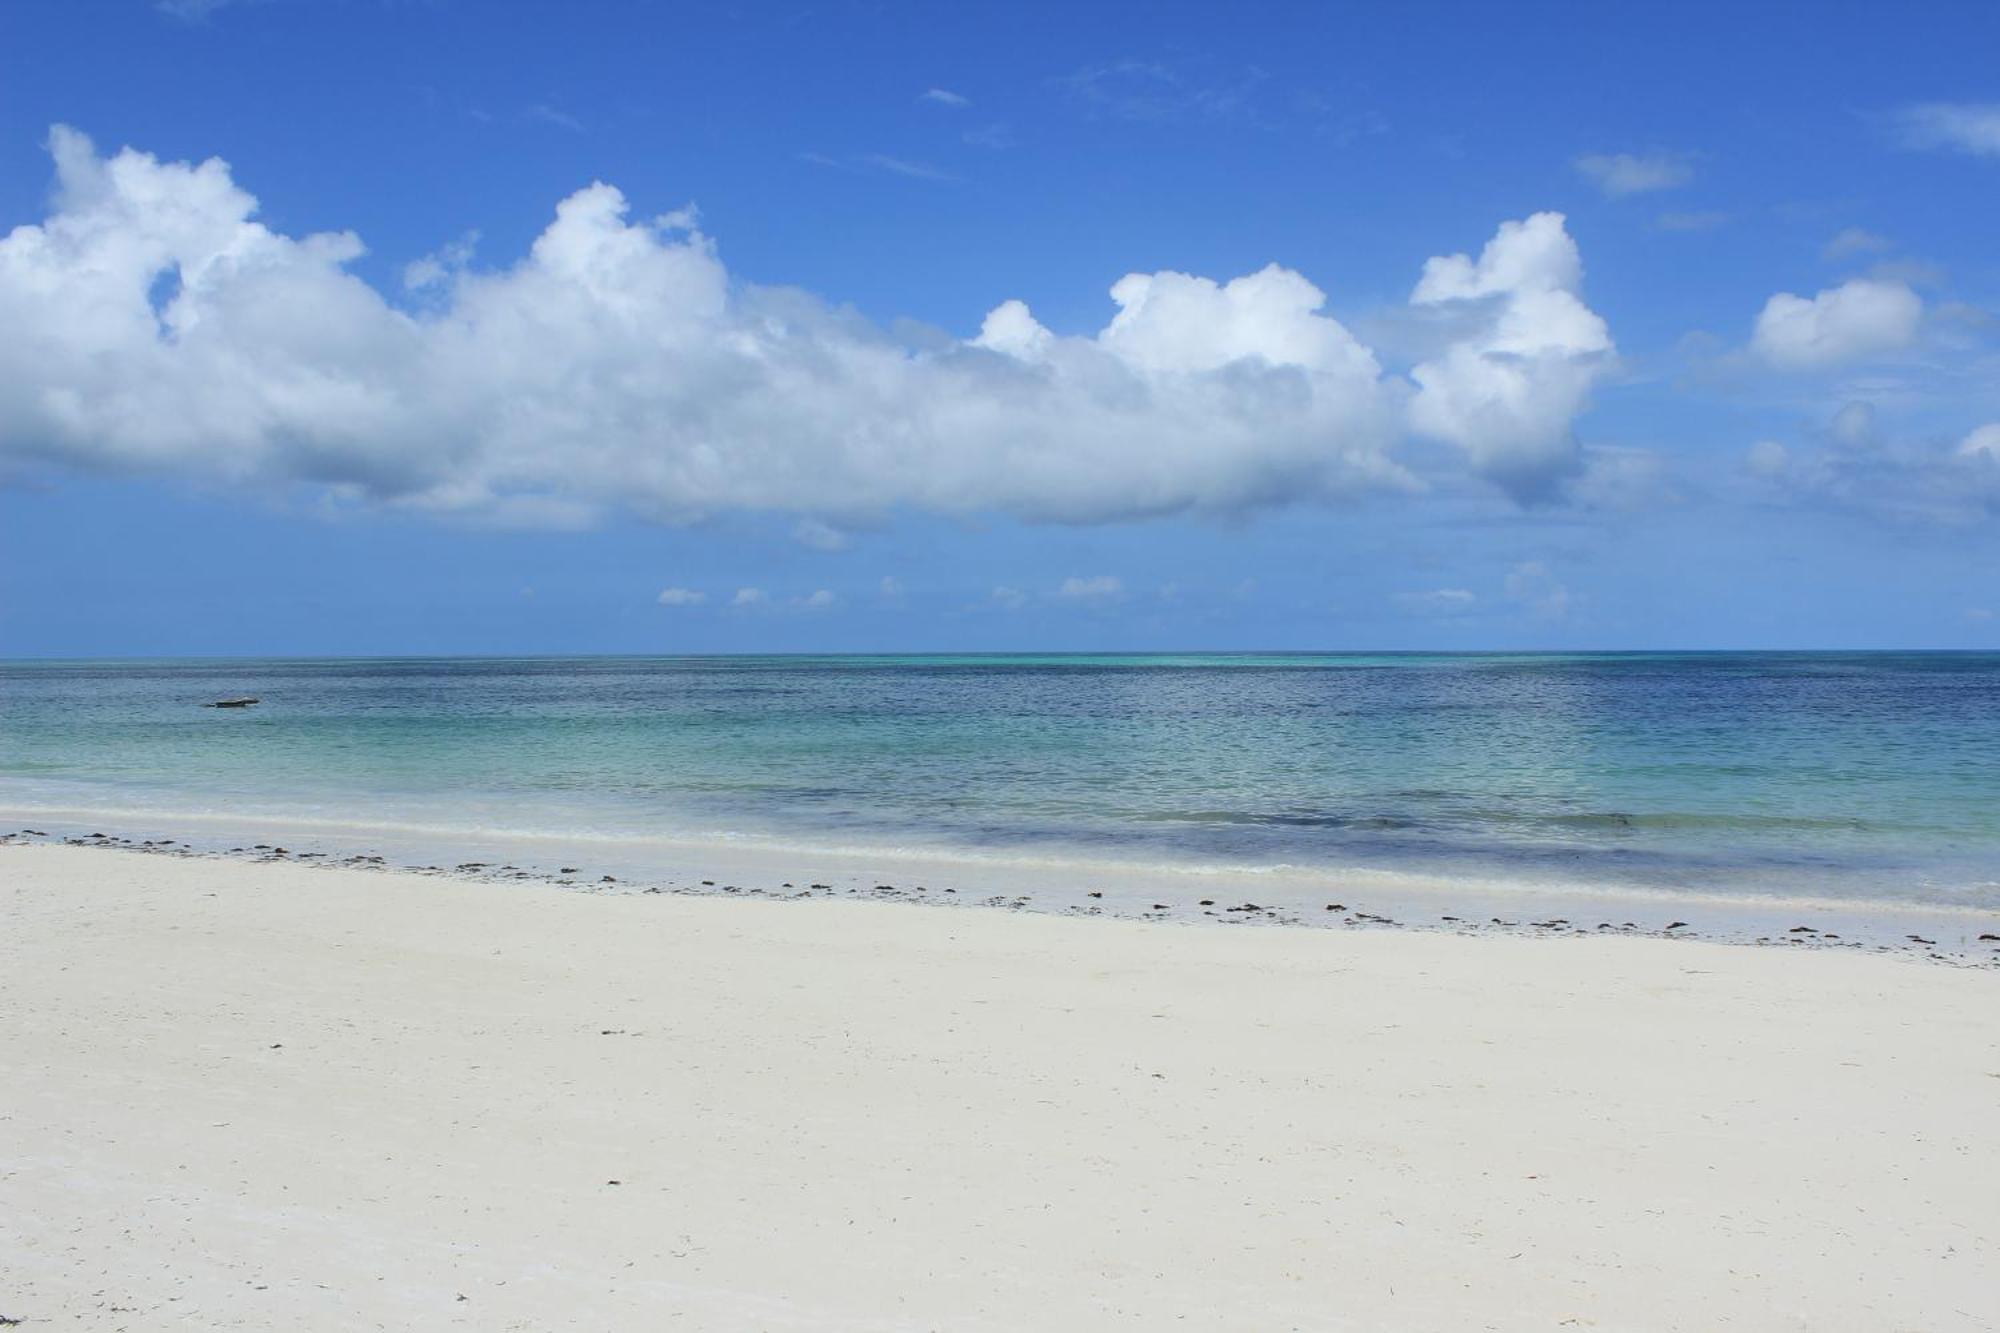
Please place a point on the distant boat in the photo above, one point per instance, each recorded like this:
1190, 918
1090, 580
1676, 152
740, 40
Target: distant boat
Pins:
243, 702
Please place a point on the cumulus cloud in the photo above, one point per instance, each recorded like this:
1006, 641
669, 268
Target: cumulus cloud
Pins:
944, 97
750, 597
681, 597
1964, 127
1620, 174
618, 365
1864, 317
1508, 388
1011, 599
818, 600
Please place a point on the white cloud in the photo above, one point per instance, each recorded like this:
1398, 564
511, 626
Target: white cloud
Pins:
944, 97
819, 536
1620, 174
681, 597
1864, 317
892, 588
819, 600
1767, 458
620, 366
749, 597
1984, 442
1096, 588
1851, 241
1965, 127
1437, 602
556, 116
1013, 599
1507, 390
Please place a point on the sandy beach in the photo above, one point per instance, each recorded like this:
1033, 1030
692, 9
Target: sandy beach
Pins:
265, 1096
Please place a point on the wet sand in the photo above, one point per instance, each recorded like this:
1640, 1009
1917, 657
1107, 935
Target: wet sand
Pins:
249, 1093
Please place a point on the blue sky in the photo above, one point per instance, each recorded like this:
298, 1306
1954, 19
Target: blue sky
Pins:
1433, 327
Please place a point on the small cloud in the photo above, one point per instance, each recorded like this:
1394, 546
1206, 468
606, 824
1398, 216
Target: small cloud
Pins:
1961, 127
438, 267
895, 166
1860, 318
945, 97
819, 600
1690, 221
1851, 241
1096, 588
1531, 584
1620, 174
1622, 479
904, 167
1437, 602
1985, 440
1766, 458
681, 597
996, 136
190, 11
1911, 272
1013, 599
819, 536
749, 597
549, 115
892, 588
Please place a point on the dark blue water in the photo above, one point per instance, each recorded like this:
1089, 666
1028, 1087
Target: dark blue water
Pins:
1874, 774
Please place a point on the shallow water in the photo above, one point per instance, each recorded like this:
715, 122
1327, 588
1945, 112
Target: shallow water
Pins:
1823, 774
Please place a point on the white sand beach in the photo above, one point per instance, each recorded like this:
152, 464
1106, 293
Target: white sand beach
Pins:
237, 1095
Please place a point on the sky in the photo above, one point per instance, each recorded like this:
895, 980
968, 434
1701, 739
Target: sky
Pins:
428, 326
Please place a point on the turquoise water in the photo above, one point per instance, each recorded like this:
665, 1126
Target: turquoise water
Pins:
1867, 774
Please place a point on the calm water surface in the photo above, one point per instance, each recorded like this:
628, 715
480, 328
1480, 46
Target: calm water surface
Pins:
1871, 774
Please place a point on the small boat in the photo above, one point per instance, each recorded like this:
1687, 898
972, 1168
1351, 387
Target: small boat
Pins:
243, 702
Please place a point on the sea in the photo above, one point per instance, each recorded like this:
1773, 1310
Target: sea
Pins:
1816, 774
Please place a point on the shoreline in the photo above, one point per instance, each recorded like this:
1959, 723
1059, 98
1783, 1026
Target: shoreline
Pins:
1191, 894
266, 1094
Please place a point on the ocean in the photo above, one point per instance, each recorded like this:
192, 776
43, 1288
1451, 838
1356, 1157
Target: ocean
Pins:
1848, 775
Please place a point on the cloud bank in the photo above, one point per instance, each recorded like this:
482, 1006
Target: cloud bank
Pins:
156, 327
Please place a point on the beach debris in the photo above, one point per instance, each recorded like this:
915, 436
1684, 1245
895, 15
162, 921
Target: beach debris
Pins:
1802, 930
1096, 893
1918, 939
1675, 925
608, 879
709, 883
828, 886
1208, 902
567, 870
614, 1182
1995, 938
